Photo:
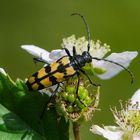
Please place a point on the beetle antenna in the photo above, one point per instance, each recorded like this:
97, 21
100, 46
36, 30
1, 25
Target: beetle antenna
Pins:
87, 28
126, 69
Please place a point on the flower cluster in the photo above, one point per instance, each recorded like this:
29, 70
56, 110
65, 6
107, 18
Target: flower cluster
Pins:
80, 106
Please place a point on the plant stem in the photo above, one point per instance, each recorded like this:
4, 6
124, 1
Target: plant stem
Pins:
76, 130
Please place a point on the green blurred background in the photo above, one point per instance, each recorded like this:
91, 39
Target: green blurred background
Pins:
44, 23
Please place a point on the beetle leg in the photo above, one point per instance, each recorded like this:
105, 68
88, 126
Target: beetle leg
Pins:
45, 106
91, 82
67, 51
74, 51
39, 60
77, 88
78, 76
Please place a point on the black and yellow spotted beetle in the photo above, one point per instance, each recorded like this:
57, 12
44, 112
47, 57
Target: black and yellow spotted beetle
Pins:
65, 67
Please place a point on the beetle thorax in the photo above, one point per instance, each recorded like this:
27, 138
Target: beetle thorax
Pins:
83, 59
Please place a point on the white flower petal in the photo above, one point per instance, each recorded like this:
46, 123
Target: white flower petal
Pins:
56, 54
123, 58
135, 99
3, 71
106, 133
37, 52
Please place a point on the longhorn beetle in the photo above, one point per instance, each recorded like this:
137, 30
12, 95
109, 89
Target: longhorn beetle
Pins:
66, 67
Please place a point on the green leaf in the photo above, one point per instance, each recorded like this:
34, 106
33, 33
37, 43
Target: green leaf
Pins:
20, 112
13, 128
56, 128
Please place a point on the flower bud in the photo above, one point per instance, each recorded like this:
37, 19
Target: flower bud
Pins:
87, 101
70, 108
70, 89
82, 92
77, 106
64, 95
71, 98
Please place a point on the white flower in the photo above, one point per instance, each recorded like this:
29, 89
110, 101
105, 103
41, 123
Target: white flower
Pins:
127, 119
97, 49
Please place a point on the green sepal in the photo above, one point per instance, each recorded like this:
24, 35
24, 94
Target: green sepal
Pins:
99, 70
89, 69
